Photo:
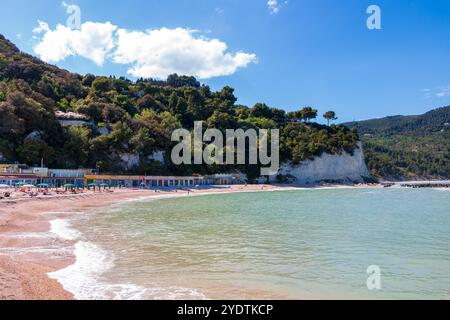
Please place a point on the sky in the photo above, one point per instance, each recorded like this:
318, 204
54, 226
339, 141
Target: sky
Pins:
288, 54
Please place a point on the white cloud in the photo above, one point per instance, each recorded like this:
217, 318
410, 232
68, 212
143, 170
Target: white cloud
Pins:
158, 53
443, 92
153, 53
440, 92
273, 5
427, 93
93, 41
42, 27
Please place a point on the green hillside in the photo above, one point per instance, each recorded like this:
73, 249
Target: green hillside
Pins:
133, 118
408, 147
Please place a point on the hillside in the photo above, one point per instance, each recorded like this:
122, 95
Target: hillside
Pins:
118, 125
436, 120
408, 147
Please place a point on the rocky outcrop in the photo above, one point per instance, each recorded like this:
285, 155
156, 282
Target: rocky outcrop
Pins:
129, 160
35, 135
157, 156
342, 168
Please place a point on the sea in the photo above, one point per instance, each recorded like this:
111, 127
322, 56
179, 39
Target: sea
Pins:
342, 243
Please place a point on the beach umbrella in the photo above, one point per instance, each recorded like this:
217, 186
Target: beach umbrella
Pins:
4, 186
92, 185
104, 185
28, 186
42, 185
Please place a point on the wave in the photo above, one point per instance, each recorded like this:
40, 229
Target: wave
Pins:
63, 229
85, 278
82, 278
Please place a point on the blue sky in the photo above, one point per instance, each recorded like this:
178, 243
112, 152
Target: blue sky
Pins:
309, 52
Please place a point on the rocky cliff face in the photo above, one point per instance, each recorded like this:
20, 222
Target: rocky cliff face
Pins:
128, 161
343, 168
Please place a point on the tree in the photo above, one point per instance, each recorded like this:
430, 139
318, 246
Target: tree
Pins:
112, 113
10, 123
76, 148
88, 79
308, 113
93, 110
220, 120
330, 115
101, 85
148, 102
32, 151
260, 110
177, 81
142, 142
295, 116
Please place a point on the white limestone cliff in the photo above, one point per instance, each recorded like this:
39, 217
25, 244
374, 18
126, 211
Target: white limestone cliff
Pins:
344, 168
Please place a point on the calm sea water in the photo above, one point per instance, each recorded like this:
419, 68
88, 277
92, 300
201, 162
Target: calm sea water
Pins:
288, 244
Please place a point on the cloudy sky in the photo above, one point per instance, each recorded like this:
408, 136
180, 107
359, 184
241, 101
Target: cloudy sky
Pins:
285, 53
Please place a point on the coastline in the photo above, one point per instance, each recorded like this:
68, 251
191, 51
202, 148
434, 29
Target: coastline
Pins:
29, 250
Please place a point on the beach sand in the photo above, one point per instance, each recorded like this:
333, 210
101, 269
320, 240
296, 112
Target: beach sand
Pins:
28, 250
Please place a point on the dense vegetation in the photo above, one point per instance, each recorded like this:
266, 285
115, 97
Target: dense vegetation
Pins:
408, 147
134, 118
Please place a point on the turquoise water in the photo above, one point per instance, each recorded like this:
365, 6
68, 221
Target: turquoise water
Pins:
287, 244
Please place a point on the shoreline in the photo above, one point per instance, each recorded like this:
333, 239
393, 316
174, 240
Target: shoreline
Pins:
29, 250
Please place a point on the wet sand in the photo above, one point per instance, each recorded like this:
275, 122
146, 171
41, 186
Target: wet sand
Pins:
28, 250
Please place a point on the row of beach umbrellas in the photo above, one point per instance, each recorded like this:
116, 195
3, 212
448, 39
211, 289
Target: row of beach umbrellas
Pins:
46, 186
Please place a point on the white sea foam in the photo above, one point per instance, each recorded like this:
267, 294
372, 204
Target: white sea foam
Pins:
63, 229
84, 279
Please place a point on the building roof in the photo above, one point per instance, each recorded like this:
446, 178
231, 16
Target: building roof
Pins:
71, 116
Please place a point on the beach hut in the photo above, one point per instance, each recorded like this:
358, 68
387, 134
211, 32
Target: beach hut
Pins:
92, 185
69, 186
104, 185
43, 186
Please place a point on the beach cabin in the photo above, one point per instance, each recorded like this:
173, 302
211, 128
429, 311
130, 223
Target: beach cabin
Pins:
62, 177
13, 179
145, 181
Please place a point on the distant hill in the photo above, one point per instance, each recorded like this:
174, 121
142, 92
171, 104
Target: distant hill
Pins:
408, 147
433, 121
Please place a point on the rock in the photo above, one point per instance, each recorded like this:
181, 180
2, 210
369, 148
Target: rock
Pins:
35, 135
157, 156
129, 160
343, 168
103, 130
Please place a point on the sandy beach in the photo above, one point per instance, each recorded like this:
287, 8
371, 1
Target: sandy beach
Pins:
29, 250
